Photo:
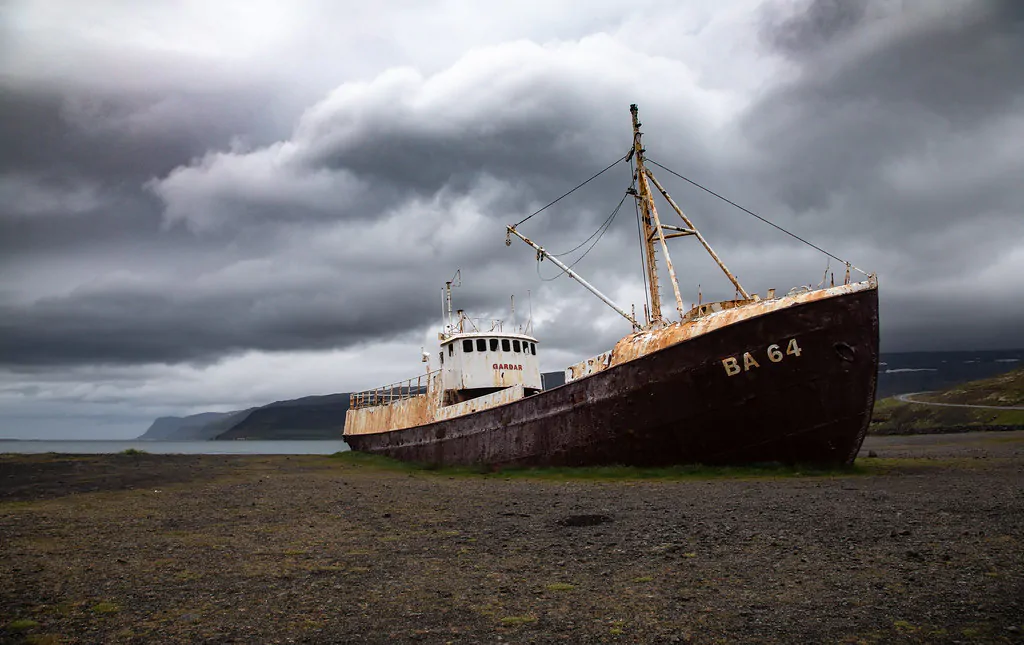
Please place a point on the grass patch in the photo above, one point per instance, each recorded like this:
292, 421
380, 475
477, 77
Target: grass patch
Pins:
598, 473
133, 451
22, 625
105, 607
516, 621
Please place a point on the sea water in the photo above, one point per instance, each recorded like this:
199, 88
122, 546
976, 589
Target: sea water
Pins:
285, 447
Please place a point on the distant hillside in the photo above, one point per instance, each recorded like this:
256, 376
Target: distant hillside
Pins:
219, 426
1003, 390
900, 372
549, 380
893, 416
188, 428
311, 417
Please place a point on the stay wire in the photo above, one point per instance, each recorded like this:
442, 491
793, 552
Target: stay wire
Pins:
601, 230
640, 236
606, 169
604, 224
750, 212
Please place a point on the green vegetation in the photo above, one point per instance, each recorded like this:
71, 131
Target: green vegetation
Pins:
21, 625
1003, 390
133, 451
892, 416
599, 473
105, 607
515, 621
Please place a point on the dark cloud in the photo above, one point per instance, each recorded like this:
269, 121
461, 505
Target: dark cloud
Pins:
143, 325
854, 112
812, 28
123, 137
170, 225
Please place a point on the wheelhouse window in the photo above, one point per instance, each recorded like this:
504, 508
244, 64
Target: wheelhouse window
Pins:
494, 344
515, 346
505, 345
533, 348
467, 345
481, 345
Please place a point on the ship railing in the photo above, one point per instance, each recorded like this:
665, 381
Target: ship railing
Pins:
392, 392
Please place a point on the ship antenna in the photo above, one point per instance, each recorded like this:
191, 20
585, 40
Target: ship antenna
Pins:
456, 281
529, 302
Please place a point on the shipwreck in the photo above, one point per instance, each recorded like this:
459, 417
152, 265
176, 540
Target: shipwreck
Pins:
775, 378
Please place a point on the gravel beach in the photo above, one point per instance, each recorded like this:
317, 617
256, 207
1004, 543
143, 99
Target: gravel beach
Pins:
923, 543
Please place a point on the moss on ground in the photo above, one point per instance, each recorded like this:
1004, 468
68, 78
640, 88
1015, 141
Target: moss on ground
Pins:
598, 473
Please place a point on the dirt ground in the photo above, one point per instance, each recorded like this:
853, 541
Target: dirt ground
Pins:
922, 544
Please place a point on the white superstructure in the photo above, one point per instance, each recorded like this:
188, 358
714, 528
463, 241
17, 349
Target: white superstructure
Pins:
474, 370
476, 361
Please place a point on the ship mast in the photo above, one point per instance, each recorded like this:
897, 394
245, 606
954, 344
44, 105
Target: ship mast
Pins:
652, 229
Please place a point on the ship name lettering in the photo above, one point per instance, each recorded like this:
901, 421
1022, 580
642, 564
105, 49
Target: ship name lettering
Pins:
774, 353
507, 366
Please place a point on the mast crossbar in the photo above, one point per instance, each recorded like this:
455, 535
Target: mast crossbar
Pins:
732, 278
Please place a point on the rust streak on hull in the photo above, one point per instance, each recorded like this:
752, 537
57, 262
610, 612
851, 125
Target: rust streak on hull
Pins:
683, 403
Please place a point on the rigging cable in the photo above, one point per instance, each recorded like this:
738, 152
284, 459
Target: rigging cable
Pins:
607, 168
601, 230
750, 212
640, 236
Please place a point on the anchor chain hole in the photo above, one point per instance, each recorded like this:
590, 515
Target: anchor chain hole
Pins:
845, 351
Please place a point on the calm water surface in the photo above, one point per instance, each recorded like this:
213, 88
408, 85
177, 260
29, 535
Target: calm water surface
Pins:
178, 447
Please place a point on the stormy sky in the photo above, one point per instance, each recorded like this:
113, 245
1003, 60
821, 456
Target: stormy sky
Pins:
207, 206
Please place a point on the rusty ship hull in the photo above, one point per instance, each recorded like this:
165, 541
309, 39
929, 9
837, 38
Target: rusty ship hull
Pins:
737, 394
